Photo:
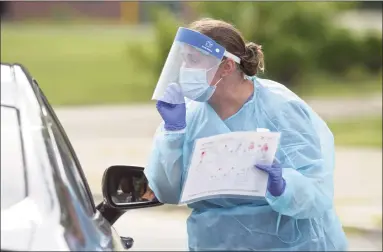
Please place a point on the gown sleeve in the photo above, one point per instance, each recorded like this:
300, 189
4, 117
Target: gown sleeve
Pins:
307, 158
164, 169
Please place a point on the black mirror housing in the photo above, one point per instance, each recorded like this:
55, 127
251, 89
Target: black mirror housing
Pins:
126, 187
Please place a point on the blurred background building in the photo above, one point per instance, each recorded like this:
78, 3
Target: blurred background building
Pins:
126, 12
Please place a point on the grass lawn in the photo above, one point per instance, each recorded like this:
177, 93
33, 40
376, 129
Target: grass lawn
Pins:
358, 132
85, 64
80, 65
356, 84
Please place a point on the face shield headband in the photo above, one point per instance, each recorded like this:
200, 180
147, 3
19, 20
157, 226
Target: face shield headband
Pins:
204, 44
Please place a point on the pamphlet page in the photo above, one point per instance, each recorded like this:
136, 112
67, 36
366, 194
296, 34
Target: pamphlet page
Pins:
224, 165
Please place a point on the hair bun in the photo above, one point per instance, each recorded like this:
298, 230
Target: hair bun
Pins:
252, 61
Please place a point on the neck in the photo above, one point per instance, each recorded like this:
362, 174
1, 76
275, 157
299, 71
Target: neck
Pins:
230, 97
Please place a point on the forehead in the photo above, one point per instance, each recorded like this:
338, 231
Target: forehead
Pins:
193, 56
191, 50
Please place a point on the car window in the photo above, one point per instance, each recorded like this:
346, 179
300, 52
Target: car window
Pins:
68, 156
13, 182
71, 167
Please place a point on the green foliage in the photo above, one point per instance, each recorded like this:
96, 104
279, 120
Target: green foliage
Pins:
297, 37
78, 64
165, 28
372, 52
340, 51
344, 51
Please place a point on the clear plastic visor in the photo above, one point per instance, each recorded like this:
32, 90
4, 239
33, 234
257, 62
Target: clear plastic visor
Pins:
185, 64
192, 60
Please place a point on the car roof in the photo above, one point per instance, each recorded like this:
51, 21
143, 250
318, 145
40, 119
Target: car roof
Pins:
16, 88
8, 86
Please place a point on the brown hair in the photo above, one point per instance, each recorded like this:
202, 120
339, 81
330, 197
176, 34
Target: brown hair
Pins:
225, 34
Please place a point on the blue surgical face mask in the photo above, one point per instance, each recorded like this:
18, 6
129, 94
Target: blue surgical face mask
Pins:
194, 84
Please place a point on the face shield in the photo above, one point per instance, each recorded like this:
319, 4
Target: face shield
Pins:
194, 58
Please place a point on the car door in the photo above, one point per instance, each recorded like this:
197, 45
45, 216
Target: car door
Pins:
107, 237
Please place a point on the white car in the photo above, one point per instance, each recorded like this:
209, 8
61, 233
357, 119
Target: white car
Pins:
46, 203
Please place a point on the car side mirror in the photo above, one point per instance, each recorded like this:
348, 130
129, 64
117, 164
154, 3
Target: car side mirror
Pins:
126, 187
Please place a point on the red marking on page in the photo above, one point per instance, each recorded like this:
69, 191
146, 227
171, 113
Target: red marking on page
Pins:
265, 148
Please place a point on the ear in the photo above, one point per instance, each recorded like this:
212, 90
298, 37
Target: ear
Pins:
228, 67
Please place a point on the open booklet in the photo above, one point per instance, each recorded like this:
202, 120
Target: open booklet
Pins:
224, 165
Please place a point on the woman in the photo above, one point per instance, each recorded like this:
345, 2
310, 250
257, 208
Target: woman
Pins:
297, 212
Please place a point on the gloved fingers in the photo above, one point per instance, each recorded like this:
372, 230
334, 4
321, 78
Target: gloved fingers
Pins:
162, 104
265, 168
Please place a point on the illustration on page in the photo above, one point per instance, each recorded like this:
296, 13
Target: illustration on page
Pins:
225, 165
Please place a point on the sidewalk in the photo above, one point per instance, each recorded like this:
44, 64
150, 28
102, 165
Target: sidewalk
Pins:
345, 107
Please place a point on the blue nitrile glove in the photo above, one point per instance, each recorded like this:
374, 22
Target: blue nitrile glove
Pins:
174, 113
276, 184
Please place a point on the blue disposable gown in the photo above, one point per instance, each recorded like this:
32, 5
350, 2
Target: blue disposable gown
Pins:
302, 218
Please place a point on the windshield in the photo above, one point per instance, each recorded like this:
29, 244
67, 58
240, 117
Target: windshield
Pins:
13, 187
